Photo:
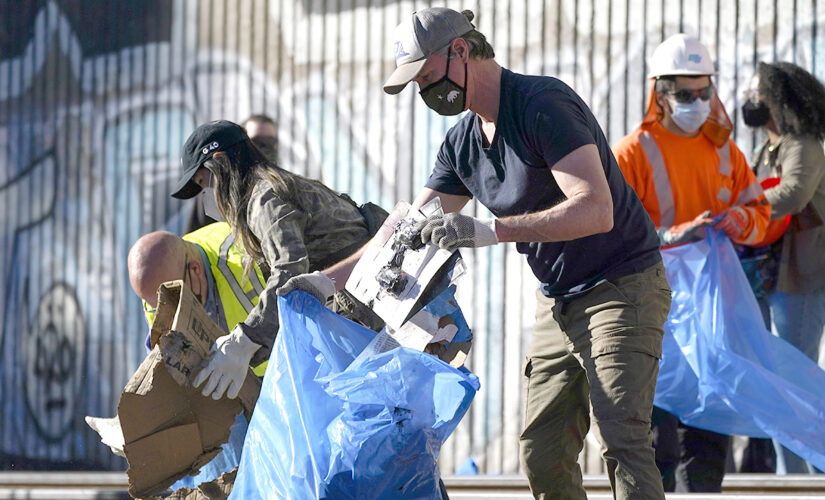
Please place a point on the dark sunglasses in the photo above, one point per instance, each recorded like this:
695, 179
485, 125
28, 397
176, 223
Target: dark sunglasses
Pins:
687, 96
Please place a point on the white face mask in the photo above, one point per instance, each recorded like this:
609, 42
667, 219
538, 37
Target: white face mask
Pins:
689, 117
210, 204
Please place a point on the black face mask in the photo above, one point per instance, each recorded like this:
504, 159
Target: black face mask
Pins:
755, 114
267, 144
444, 96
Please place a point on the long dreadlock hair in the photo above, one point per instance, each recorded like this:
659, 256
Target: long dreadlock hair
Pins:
795, 98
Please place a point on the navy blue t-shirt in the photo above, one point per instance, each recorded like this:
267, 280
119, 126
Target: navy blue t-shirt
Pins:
541, 120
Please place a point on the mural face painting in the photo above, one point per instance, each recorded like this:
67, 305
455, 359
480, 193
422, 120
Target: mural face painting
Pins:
53, 356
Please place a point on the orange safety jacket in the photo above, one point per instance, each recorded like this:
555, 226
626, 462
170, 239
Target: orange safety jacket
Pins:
677, 178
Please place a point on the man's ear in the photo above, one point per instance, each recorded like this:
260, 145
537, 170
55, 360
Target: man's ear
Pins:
662, 101
196, 268
461, 49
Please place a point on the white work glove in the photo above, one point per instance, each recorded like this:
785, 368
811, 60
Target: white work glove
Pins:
110, 433
317, 284
228, 366
686, 232
454, 230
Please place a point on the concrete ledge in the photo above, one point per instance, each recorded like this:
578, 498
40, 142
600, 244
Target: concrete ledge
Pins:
112, 485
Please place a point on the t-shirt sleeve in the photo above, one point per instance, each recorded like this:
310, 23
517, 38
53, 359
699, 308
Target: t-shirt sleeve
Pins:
444, 178
557, 123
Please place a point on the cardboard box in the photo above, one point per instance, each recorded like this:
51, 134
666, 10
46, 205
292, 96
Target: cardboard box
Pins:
170, 430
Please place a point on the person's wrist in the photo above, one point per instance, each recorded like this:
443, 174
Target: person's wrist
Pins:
664, 235
492, 225
247, 345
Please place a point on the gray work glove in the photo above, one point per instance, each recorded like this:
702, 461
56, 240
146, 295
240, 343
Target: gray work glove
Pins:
317, 284
454, 230
228, 366
686, 232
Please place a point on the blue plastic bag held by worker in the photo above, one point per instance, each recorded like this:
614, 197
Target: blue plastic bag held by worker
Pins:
332, 423
721, 369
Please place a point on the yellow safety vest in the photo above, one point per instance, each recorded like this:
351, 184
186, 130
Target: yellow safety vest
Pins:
237, 295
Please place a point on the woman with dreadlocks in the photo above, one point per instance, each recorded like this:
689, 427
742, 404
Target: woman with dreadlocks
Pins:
788, 104
288, 224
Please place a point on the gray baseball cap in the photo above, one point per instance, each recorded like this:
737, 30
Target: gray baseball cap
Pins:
416, 38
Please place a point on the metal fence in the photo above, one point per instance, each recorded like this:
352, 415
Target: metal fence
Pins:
97, 96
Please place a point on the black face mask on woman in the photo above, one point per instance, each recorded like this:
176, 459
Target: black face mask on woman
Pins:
444, 96
755, 114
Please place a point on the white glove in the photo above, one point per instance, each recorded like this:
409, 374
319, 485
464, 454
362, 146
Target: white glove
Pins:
228, 367
110, 432
454, 230
317, 284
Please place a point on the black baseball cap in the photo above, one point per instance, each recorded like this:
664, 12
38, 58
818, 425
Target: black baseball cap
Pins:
204, 142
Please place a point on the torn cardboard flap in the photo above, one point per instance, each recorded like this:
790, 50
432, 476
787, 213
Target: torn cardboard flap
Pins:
180, 311
169, 431
169, 428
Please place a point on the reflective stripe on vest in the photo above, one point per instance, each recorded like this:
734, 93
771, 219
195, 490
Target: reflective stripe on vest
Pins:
245, 298
661, 180
227, 269
725, 169
750, 194
256, 284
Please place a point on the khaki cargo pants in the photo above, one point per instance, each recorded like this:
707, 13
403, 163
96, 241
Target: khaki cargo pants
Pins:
597, 357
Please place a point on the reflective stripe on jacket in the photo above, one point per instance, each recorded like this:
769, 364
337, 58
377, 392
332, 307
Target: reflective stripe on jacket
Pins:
677, 178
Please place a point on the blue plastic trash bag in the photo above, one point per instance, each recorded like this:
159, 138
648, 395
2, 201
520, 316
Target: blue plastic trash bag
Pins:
331, 424
721, 369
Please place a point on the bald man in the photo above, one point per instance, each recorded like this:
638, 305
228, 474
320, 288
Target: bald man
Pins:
208, 263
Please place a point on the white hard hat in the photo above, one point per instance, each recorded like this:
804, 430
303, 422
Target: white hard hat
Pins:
681, 55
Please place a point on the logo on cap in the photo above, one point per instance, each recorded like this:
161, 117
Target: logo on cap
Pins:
399, 50
696, 58
210, 147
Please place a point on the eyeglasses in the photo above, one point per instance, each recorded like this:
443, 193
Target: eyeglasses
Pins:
687, 96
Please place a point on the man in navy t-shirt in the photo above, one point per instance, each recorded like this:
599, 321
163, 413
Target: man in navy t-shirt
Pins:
531, 151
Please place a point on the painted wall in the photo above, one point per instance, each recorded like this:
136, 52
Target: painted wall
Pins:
97, 96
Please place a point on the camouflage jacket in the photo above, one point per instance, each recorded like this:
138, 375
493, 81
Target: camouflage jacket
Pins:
297, 237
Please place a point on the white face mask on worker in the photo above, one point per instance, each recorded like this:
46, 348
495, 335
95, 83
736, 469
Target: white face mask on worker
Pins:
210, 204
689, 117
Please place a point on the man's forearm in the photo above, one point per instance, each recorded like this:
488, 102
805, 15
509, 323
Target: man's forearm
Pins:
574, 218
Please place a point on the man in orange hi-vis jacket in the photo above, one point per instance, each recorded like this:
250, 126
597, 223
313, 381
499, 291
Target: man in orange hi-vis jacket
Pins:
689, 175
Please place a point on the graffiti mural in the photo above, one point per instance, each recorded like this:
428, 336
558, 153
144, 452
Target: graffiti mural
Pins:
97, 97
53, 355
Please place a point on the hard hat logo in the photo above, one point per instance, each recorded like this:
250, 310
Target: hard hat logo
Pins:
681, 55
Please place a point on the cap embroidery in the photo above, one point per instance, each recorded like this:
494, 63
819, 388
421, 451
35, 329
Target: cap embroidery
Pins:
399, 51
209, 147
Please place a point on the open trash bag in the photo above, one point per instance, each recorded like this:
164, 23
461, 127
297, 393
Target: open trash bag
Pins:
335, 422
721, 369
